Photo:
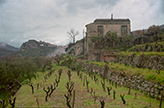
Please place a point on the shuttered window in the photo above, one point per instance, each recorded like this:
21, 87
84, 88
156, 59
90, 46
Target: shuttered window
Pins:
100, 30
124, 30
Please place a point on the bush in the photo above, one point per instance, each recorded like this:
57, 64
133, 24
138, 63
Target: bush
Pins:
68, 60
19, 68
77, 65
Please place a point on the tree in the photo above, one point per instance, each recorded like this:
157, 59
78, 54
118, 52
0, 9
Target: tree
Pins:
57, 58
72, 33
98, 40
126, 40
139, 32
112, 37
154, 31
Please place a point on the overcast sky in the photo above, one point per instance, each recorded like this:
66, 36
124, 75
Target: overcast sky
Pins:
50, 20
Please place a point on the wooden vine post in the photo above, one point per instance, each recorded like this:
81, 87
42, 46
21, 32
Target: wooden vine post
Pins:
87, 82
114, 94
37, 101
90, 69
162, 95
73, 103
106, 68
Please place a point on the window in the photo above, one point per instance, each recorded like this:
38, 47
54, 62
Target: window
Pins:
124, 30
100, 30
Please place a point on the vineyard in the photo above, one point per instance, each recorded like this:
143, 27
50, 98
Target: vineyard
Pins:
61, 87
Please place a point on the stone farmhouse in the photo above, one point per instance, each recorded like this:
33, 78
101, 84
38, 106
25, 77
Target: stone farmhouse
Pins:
102, 26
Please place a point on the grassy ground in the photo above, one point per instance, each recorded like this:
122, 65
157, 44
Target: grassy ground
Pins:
149, 44
125, 54
149, 74
83, 99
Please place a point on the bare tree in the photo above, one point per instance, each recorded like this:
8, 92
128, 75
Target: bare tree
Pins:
72, 33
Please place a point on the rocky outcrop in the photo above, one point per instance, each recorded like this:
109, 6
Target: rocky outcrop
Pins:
33, 44
75, 49
33, 48
152, 62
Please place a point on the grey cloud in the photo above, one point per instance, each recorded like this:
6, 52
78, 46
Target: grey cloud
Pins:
2, 1
74, 5
49, 20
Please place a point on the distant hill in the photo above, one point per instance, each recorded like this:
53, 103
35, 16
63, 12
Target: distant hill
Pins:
162, 26
33, 48
4, 52
6, 49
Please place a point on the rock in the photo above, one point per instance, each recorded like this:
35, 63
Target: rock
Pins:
156, 90
149, 49
152, 94
147, 90
160, 88
154, 48
152, 90
146, 85
155, 95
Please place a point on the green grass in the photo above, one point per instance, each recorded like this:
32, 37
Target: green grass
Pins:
125, 54
83, 99
149, 74
143, 45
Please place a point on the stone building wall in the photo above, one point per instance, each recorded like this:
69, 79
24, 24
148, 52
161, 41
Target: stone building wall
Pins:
102, 55
116, 27
113, 25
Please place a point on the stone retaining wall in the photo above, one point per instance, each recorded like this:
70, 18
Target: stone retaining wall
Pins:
148, 48
151, 62
136, 82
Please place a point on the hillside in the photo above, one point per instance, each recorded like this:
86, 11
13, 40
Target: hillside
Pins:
33, 48
6, 49
4, 52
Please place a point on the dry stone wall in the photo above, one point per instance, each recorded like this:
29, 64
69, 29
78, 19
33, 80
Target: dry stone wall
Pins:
149, 48
136, 82
152, 62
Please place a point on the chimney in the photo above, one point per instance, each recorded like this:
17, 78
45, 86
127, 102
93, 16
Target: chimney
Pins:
111, 16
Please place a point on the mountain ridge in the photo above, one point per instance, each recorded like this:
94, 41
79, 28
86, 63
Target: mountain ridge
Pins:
8, 47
